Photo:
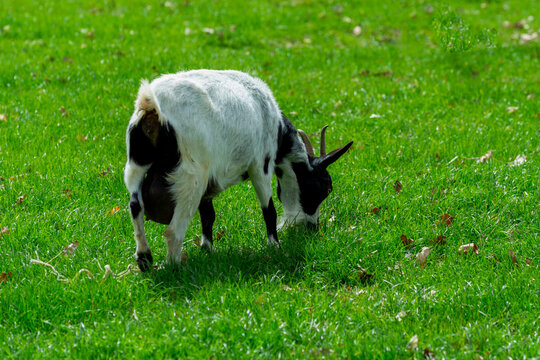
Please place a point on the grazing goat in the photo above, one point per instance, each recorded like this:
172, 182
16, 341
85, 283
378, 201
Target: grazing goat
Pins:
194, 134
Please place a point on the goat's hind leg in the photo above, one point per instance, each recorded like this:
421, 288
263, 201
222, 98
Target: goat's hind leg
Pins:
133, 177
208, 216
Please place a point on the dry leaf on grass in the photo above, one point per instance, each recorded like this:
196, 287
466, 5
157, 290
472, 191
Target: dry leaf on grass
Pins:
400, 315
512, 109
364, 276
406, 241
105, 172
422, 255
397, 186
82, 138
375, 210
63, 111
70, 249
445, 219
219, 235
20, 199
439, 240
428, 354
4, 276
3, 118
519, 160
413, 343
113, 210
5, 230
513, 257
468, 248
197, 240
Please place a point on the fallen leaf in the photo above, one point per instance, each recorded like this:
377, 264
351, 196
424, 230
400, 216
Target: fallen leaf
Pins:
525, 38
364, 276
445, 219
439, 240
3, 118
428, 354
332, 218
513, 257
487, 156
468, 248
70, 249
406, 241
375, 210
495, 257
20, 199
422, 255
63, 111
5, 230
413, 343
351, 227
197, 240
105, 172
113, 210
4, 276
528, 261
520, 159
67, 192
400, 315
82, 138
357, 30
512, 109
398, 186
219, 235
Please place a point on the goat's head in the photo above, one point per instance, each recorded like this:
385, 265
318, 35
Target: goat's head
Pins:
314, 181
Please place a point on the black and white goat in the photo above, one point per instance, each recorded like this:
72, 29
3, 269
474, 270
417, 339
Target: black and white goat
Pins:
194, 134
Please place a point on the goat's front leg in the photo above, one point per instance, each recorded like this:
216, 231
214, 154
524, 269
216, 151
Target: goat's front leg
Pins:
261, 178
208, 216
133, 177
188, 188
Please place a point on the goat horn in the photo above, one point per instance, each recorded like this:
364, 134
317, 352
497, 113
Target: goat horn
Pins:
323, 140
310, 149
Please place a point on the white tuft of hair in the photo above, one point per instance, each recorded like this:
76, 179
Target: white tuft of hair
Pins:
146, 100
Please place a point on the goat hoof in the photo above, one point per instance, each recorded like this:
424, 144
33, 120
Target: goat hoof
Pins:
144, 260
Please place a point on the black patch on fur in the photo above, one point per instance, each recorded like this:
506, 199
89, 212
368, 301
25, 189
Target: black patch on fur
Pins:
279, 172
144, 260
286, 137
266, 162
315, 186
279, 190
158, 202
208, 216
270, 218
134, 206
245, 176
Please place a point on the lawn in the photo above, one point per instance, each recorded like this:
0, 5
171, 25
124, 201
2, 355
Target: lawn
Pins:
442, 102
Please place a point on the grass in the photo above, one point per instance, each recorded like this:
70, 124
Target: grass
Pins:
424, 90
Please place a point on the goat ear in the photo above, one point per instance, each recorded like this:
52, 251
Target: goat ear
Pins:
327, 160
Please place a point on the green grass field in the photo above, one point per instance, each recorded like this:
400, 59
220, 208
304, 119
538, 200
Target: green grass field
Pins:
424, 89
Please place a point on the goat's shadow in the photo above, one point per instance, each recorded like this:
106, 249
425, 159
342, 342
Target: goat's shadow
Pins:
235, 264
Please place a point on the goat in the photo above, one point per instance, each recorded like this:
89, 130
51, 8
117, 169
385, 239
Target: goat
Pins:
194, 134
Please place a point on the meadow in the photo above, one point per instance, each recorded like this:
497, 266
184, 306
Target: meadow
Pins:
441, 100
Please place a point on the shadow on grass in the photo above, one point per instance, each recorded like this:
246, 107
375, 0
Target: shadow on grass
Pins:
234, 264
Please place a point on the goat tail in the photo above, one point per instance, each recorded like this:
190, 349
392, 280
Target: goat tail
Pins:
146, 101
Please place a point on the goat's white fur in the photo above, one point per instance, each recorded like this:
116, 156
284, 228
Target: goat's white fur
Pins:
225, 122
